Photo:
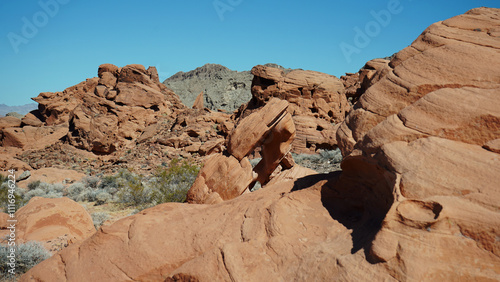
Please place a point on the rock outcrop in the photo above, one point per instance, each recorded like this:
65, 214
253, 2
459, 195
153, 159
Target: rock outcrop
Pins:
317, 103
422, 133
104, 113
417, 199
227, 176
224, 89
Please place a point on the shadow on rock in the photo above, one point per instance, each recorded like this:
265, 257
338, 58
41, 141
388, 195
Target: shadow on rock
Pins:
359, 198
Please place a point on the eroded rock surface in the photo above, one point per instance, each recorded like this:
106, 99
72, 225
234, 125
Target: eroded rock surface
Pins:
43, 219
226, 176
417, 200
317, 100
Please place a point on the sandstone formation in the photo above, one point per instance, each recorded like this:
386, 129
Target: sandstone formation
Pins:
43, 219
102, 113
422, 133
224, 177
317, 103
356, 83
417, 199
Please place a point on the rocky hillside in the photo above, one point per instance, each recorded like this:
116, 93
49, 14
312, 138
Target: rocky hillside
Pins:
417, 199
222, 88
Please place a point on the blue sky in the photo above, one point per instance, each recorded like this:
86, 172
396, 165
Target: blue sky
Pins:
49, 45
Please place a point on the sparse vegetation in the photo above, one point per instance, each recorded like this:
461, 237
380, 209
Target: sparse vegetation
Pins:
27, 256
169, 183
323, 162
99, 218
172, 184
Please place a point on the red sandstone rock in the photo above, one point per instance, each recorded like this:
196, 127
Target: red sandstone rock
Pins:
198, 103
6, 122
417, 199
45, 219
221, 178
30, 137
252, 130
105, 113
313, 96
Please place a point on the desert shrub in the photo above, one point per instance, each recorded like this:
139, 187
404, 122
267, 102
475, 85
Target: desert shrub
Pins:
103, 197
27, 256
38, 192
324, 161
91, 181
131, 189
334, 156
4, 196
42, 189
99, 218
87, 195
34, 184
3, 178
75, 189
81, 193
172, 184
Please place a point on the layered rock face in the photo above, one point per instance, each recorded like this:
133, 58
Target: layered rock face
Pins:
417, 200
317, 103
428, 126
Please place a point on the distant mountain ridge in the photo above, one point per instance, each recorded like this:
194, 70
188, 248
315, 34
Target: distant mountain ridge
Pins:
22, 109
223, 88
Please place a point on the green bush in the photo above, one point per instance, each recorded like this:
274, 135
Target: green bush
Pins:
4, 197
172, 184
27, 256
34, 184
131, 189
103, 197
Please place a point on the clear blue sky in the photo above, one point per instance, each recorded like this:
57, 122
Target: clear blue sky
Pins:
72, 38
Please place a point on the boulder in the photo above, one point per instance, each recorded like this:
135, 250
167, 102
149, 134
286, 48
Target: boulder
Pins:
45, 219
221, 178
30, 137
308, 92
252, 130
9, 121
224, 177
31, 119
